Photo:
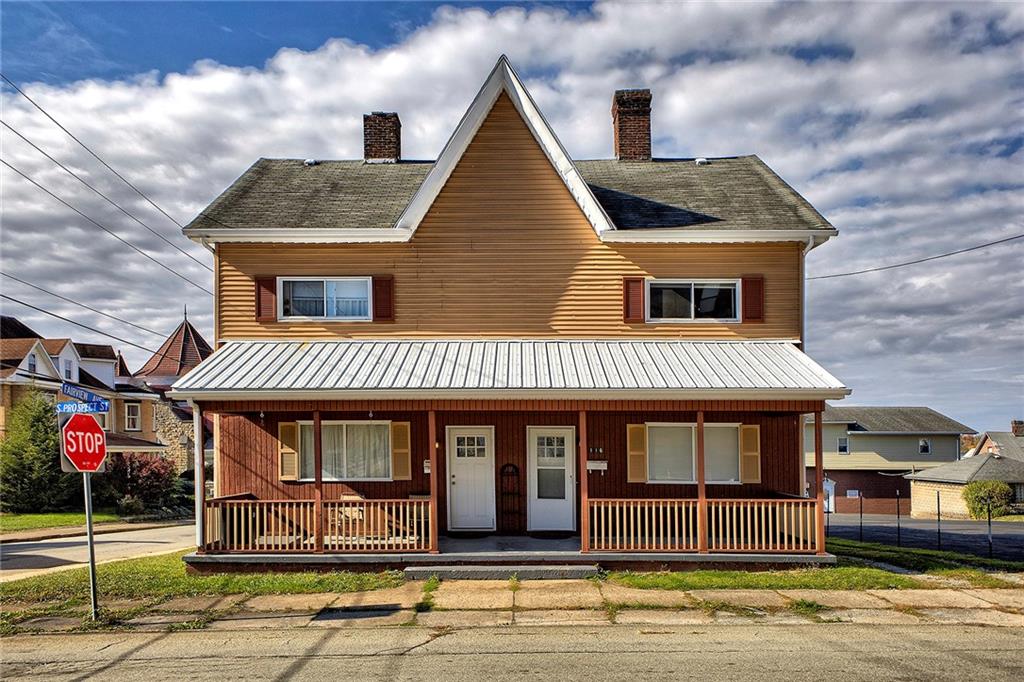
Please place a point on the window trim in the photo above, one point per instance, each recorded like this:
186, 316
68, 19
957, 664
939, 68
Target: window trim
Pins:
344, 464
693, 451
738, 303
105, 422
924, 441
138, 417
279, 288
69, 369
839, 449
33, 363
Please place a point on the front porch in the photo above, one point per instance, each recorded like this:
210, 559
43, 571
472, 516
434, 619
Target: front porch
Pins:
260, 520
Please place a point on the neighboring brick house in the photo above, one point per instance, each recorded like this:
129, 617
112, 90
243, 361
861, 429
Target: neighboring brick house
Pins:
868, 450
184, 349
941, 488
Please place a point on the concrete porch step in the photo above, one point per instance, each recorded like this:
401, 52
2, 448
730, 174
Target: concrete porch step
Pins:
494, 572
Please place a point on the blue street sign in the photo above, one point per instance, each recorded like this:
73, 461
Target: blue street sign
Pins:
72, 391
84, 408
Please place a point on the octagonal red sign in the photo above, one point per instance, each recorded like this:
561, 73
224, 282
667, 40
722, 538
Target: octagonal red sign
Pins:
84, 442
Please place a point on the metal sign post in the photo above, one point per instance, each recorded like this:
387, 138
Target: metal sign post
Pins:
93, 592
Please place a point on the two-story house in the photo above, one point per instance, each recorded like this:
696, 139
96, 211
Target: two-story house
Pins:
869, 450
508, 341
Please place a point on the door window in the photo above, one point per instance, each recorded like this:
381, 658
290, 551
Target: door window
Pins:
551, 467
470, 446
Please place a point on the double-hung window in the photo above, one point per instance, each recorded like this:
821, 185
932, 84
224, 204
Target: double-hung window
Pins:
350, 451
693, 300
672, 448
843, 445
32, 363
132, 417
924, 446
68, 369
315, 298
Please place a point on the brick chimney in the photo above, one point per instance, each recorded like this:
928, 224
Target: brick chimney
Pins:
631, 123
382, 137
1017, 427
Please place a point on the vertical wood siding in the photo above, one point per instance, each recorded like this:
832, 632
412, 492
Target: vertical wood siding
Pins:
506, 250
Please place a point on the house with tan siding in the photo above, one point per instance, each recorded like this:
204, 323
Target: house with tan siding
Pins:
869, 450
509, 342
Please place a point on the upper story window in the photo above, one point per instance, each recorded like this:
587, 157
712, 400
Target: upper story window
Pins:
32, 362
672, 452
132, 417
924, 446
843, 445
693, 301
68, 367
315, 298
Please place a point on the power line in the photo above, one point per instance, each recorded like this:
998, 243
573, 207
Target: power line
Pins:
108, 231
86, 148
105, 197
919, 260
65, 298
79, 324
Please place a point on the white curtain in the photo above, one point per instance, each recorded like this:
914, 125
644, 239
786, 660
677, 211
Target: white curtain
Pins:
368, 451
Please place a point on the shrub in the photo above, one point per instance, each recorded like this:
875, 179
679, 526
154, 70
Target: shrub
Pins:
980, 494
149, 479
30, 475
130, 505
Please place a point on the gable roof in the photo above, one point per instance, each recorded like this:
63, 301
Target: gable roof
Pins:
55, 346
909, 420
95, 351
183, 350
727, 199
1009, 445
983, 467
13, 328
122, 367
14, 351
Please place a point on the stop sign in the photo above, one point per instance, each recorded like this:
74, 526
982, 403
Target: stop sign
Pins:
85, 443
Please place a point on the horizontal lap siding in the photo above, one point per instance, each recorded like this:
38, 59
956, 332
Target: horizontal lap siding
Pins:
504, 251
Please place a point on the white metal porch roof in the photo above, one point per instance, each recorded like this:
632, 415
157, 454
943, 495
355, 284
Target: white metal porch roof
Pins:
508, 368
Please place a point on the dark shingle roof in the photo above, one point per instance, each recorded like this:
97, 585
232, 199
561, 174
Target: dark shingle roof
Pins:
1009, 445
735, 193
894, 419
182, 351
13, 328
95, 351
983, 467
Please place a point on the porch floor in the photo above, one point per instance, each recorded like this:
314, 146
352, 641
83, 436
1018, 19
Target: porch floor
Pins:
498, 550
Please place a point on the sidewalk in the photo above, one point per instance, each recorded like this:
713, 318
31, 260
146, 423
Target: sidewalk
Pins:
465, 604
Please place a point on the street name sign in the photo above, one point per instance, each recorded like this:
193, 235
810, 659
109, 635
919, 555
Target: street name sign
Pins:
78, 393
83, 408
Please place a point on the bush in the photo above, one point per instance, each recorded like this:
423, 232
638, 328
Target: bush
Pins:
30, 475
148, 479
980, 494
130, 505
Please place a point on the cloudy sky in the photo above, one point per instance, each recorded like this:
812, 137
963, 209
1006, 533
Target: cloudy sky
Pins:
901, 123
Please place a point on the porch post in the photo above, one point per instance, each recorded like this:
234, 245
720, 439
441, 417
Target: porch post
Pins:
584, 487
702, 496
819, 484
318, 460
435, 475
199, 469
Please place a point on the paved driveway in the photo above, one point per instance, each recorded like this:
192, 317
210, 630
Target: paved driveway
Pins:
970, 537
22, 559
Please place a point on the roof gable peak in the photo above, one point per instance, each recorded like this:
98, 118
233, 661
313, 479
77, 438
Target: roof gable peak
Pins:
503, 79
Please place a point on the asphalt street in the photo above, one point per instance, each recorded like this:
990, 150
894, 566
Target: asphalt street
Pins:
23, 559
958, 536
618, 652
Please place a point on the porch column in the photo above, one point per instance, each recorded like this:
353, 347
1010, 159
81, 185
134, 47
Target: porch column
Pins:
584, 487
435, 474
199, 469
819, 484
318, 495
702, 496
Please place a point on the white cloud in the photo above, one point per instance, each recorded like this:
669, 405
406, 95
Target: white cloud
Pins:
889, 117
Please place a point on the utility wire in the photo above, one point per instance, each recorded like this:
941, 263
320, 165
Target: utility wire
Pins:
105, 197
108, 231
65, 298
919, 260
79, 324
86, 148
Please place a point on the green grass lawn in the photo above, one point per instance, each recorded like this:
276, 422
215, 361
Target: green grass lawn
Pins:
922, 560
830, 578
1019, 518
164, 576
12, 523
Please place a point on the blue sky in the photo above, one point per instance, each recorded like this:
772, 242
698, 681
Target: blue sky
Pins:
900, 122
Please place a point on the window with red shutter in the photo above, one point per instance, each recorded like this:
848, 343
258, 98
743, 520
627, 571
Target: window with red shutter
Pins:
753, 298
633, 299
266, 299
383, 298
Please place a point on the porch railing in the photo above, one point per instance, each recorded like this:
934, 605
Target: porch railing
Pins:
347, 526
667, 525
643, 525
762, 525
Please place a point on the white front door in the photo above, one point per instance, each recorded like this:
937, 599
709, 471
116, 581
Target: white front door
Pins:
829, 486
552, 485
470, 456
